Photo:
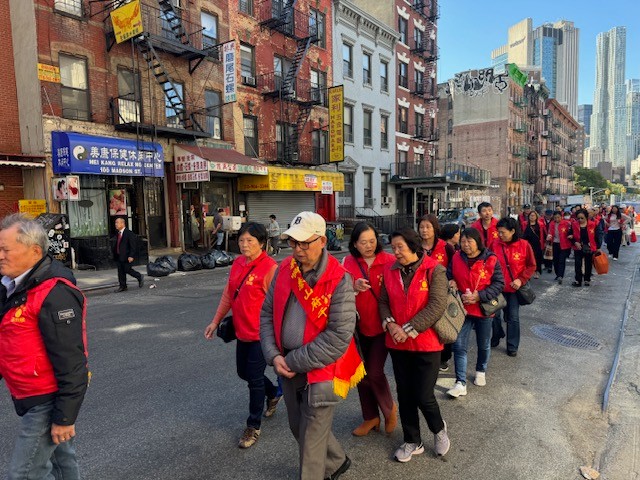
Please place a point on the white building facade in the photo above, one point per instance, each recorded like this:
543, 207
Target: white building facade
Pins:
363, 52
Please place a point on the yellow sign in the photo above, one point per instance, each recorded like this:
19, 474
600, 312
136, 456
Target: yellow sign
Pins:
336, 124
282, 179
33, 208
127, 21
48, 73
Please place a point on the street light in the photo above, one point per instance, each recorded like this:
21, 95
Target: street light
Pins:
591, 192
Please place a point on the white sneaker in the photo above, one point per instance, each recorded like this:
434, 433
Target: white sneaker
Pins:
407, 450
480, 379
458, 389
442, 442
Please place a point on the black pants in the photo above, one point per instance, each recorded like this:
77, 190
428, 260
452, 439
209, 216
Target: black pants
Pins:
416, 374
588, 263
125, 268
250, 365
559, 259
613, 242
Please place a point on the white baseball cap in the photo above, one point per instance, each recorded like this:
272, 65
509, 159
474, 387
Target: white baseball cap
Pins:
305, 225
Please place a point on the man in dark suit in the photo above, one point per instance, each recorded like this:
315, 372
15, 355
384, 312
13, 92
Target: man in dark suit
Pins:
124, 249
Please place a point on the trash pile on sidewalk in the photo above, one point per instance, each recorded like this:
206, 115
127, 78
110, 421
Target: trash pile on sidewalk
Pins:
189, 262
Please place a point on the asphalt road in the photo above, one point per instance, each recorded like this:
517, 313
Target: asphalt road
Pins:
165, 403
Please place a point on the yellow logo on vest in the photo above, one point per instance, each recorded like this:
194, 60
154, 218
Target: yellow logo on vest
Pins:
424, 286
517, 256
17, 316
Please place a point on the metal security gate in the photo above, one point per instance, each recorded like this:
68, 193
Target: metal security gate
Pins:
284, 205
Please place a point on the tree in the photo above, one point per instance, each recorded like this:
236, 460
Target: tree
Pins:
586, 178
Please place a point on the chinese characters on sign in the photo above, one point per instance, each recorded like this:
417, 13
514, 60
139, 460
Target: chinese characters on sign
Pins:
48, 73
32, 208
327, 187
336, 124
127, 21
229, 55
192, 177
190, 163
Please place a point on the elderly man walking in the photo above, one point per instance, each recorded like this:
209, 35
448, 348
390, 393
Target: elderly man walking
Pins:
43, 351
306, 329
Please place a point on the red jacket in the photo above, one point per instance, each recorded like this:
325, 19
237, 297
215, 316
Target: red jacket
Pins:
591, 233
522, 262
405, 306
490, 235
478, 277
370, 323
247, 305
565, 231
24, 360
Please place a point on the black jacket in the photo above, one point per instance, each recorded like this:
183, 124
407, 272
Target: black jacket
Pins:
128, 246
64, 341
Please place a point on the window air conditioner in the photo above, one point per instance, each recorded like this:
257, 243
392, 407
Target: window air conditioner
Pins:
386, 200
247, 80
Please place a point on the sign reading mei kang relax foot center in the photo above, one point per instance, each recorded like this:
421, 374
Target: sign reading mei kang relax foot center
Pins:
87, 154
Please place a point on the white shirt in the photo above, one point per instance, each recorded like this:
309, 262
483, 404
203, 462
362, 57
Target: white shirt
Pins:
12, 284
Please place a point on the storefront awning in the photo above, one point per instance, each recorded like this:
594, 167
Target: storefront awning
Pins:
93, 155
292, 180
223, 160
22, 163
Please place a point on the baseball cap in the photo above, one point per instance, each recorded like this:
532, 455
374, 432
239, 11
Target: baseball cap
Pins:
305, 225
525, 206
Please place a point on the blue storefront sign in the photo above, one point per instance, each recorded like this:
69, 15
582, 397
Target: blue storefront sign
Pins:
92, 155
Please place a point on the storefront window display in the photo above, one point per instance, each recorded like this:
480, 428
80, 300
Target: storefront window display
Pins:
88, 216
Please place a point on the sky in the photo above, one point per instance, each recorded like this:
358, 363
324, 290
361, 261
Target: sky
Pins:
468, 32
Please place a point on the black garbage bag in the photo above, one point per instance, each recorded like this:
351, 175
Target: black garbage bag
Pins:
167, 261
155, 269
188, 262
223, 259
208, 260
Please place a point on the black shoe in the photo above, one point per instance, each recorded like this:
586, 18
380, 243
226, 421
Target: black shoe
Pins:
121, 289
559, 280
576, 284
548, 270
512, 353
444, 366
587, 284
141, 281
495, 340
343, 468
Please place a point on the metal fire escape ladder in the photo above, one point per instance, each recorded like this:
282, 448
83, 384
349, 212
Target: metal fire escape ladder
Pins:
174, 21
288, 85
164, 80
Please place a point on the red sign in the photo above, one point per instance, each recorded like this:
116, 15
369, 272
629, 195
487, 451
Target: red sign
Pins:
311, 181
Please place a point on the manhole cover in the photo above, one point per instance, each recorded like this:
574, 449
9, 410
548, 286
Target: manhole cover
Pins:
568, 337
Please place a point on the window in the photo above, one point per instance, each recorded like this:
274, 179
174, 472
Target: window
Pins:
419, 125
317, 26
384, 184
403, 27
348, 187
384, 77
418, 37
418, 158
449, 150
250, 128
319, 140
75, 88
72, 7
128, 106
213, 102
172, 113
246, 6
450, 125
418, 78
402, 164
368, 189
247, 65
209, 29
347, 60
384, 131
281, 66
403, 79
366, 69
89, 218
284, 134
403, 114
319, 86
348, 123
366, 127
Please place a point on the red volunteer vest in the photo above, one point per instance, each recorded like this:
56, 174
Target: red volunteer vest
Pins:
478, 277
370, 323
490, 235
565, 227
246, 307
517, 252
439, 253
591, 233
24, 362
404, 306
327, 282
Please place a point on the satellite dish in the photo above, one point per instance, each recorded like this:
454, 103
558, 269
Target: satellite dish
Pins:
85, 203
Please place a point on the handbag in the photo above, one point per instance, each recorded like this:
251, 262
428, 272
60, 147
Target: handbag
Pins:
450, 324
226, 331
525, 293
548, 252
634, 237
600, 263
492, 306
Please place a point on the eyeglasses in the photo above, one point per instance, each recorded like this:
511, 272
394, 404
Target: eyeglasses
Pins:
303, 245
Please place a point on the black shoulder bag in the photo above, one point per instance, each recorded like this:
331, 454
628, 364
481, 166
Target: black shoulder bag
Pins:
226, 330
525, 293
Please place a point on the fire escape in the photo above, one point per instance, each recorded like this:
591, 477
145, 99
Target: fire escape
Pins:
164, 29
296, 96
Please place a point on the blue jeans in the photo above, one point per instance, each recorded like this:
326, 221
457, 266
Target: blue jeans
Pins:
251, 365
483, 327
35, 456
512, 317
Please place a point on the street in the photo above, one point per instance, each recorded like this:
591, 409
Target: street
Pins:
164, 403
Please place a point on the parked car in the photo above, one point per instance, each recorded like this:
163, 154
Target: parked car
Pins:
463, 217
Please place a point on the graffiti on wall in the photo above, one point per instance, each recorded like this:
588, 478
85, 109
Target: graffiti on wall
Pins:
478, 83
